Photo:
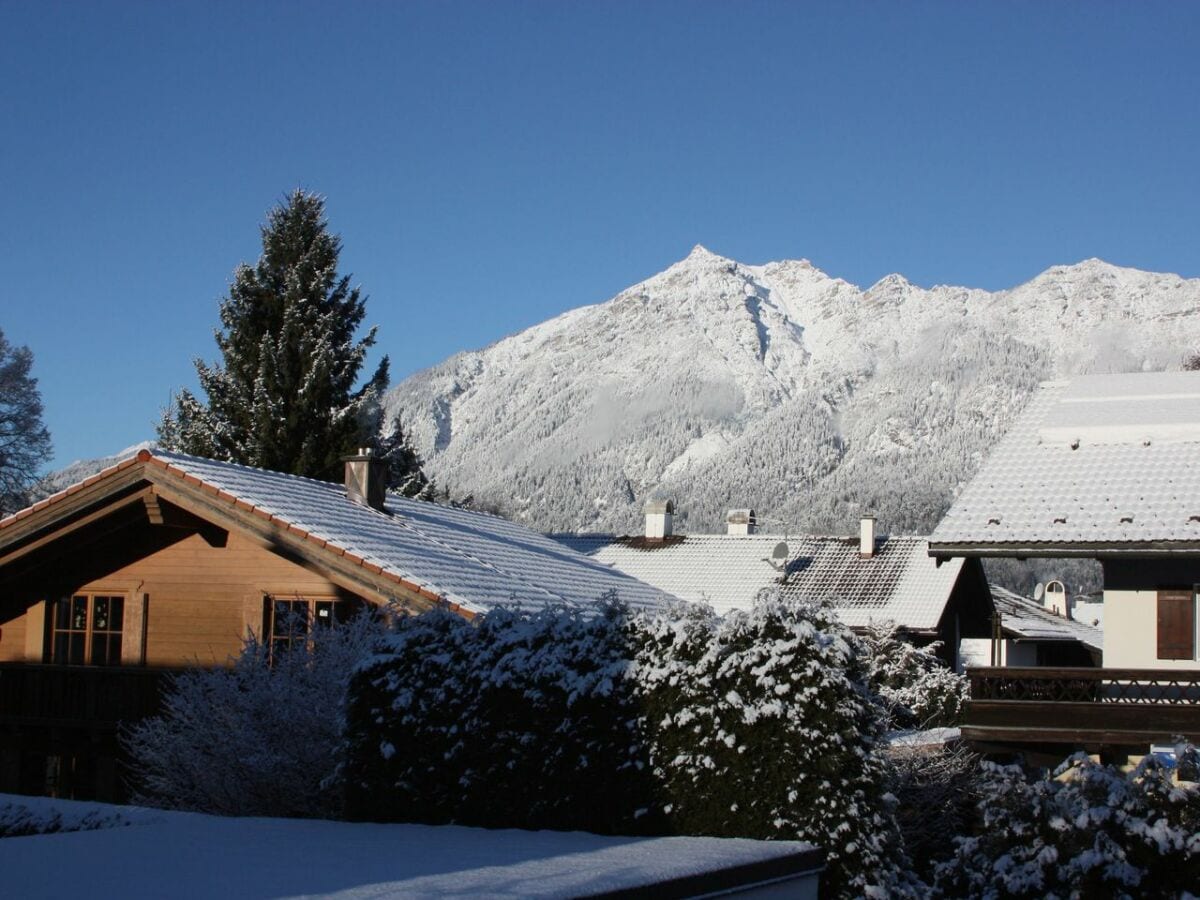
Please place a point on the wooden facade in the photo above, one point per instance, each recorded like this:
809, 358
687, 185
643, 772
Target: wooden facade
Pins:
145, 573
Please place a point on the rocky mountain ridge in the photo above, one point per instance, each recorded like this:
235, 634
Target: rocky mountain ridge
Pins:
777, 387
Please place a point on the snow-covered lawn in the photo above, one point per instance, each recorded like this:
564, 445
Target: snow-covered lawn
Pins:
184, 855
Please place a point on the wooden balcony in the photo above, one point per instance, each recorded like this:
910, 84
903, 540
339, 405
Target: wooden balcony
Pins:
1081, 707
91, 697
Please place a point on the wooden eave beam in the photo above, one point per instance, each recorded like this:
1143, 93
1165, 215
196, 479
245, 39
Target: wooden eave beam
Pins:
153, 510
1085, 550
51, 513
131, 500
165, 514
67, 545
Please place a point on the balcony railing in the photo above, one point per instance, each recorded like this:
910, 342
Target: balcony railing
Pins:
78, 696
1082, 706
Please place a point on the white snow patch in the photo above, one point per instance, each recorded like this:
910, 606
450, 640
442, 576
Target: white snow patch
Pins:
189, 855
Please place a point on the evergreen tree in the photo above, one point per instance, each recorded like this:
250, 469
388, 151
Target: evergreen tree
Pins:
283, 396
24, 440
406, 474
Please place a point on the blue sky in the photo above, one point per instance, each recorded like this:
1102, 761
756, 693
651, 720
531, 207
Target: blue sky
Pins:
490, 165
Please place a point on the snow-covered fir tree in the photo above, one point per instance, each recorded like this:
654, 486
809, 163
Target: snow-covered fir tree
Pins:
916, 688
285, 394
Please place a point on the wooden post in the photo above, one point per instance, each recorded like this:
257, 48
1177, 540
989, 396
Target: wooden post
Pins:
35, 632
997, 637
133, 647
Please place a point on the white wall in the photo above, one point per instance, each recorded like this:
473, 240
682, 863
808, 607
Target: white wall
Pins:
1088, 612
978, 652
1131, 632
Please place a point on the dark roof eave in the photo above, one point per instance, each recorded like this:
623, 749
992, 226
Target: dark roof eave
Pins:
1064, 549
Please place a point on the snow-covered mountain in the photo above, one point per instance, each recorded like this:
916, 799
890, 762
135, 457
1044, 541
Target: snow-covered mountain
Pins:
777, 387
63, 478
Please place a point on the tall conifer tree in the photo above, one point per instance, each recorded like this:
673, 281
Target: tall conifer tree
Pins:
283, 396
24, 440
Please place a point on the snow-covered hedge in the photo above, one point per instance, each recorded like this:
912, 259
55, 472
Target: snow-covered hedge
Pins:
256, 738
916, 687
757, 725
1093, 831
509, 721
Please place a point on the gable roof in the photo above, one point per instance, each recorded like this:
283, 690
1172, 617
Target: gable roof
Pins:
900, 583
472, 560
1026, 619
1100, 463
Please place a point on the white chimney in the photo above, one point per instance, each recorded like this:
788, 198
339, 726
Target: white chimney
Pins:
866, 537
1056, 599
741, 521
366, 478
658, 519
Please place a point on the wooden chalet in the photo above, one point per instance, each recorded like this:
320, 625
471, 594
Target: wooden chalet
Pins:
164, 561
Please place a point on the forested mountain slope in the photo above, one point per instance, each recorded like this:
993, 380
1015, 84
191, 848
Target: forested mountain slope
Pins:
776, 387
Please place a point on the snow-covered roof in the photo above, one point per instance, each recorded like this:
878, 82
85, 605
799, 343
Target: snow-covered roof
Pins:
1026, 619
471, 559
1099, 459
900, 583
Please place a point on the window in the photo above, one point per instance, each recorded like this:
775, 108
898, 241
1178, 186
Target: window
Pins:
1176, 624
289, 620
87, 630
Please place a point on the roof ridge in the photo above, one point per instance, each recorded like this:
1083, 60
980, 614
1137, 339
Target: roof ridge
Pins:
158, 454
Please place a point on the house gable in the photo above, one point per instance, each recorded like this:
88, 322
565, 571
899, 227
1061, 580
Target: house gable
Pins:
192, 568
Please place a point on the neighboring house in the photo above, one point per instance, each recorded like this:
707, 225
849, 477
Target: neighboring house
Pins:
1032, 635
866, 578
1105, 467
165, 560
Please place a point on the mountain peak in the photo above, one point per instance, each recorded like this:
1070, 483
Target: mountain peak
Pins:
701, 254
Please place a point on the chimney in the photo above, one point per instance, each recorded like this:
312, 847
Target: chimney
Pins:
866, 537
658, 519
366, 481
1056, 599
740, 521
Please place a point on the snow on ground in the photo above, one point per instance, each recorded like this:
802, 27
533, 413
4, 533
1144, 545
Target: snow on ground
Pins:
189, 855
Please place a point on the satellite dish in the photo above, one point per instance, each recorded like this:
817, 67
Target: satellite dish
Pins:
778, 560
1039, 591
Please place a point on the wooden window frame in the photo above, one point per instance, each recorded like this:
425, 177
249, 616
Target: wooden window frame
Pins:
89, 632
1175, 623
327, 608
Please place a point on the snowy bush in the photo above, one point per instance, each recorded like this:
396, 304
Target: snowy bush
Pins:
758, 725
19, 820
936, 790
916, 687
259, 738
515, 720
1092, 831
